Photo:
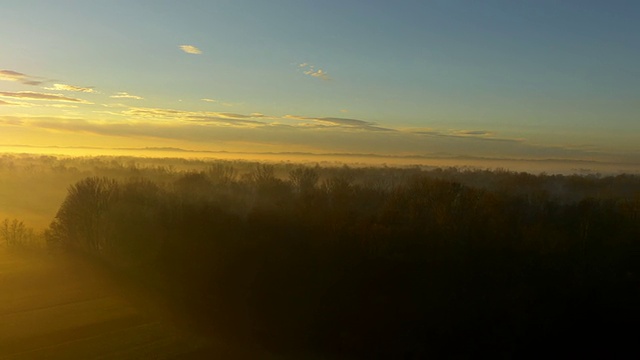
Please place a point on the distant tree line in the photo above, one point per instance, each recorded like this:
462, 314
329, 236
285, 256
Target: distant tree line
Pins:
14, 234
375, 263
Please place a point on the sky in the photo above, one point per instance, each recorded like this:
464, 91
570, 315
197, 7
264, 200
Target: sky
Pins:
444, 79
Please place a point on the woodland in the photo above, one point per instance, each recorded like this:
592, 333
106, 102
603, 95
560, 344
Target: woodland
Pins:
350, 261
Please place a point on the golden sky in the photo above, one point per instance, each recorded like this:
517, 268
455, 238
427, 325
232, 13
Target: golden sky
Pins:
441, 80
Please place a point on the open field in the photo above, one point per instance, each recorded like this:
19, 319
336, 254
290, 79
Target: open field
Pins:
69, 310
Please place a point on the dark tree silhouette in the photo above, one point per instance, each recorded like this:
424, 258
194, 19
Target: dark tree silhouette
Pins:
81, 223
436, 260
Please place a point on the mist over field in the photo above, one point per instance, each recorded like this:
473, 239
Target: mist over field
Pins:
259, 259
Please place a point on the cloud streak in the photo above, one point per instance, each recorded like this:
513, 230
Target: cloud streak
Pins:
339, 122
255, 119
41, 96
467, 134
190, 49
8, 103
203, 117
10, 75
31, 105
65, 87
125, 95
225, 120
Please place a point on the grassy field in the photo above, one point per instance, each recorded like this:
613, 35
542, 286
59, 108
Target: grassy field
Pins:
52, 309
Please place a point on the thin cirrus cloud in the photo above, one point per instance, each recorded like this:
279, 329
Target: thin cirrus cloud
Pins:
196, 131
190, 49
221, 120
8, 103
65, 87
31, 105
41, 96
253, 118
204, 117
125, 95
310, 70
482, 135
10, 75
219, 102
155, 112
339, 122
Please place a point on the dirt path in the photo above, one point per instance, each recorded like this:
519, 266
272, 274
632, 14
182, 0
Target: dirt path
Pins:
55, 309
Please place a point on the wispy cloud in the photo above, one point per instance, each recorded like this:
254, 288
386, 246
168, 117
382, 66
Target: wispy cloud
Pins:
9, 103
61, 106
115, 105
226, 120
65, 87
190, 49
10, 75
209, 100
340, 122
221, 118
32, 105
154, 112
320, 74
473, 133
313, 72
197, 129
466, 134
125, 95
240, 116
41, 96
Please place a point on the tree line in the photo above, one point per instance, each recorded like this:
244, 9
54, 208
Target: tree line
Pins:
374, 263
14, 234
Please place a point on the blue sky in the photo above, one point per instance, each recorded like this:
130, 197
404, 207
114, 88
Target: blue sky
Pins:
500, 79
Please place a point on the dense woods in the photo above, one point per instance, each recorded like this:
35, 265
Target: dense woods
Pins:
371, 262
